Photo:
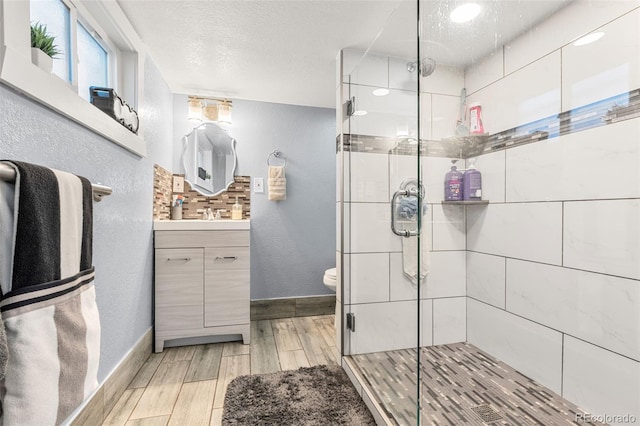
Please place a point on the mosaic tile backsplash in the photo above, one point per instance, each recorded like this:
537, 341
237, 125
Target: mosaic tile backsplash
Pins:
194, 202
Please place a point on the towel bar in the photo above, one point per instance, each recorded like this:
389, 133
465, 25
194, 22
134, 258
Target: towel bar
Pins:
99, 191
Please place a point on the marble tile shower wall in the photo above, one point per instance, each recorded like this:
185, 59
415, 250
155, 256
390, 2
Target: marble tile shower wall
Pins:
553, 270
376, 291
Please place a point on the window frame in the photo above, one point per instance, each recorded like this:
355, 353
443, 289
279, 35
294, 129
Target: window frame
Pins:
118, 36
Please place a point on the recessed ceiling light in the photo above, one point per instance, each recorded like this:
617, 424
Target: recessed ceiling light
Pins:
381, 92
465, 12
360, 112
589, 38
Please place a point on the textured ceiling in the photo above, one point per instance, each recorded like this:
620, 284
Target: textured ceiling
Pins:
284, 51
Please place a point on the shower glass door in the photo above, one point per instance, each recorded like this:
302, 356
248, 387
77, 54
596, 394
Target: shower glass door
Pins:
530, 311
385, 217
533, 299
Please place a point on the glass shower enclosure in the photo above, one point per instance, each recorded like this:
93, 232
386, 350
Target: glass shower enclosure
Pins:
518, 304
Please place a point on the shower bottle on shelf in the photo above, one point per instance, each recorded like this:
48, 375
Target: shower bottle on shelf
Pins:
472, 183
453, 184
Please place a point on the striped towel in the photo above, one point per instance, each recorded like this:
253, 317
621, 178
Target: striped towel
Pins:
277, 183
50, 314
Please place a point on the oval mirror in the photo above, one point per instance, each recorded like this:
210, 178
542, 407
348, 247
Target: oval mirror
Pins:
209, 159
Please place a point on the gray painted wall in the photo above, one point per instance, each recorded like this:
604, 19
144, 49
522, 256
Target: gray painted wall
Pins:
292, 241
123, 221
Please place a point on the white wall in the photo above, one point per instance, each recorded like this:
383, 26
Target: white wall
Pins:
553, 276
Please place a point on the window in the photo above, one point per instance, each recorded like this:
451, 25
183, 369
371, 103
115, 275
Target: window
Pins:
92, 63
90, 56
57, 17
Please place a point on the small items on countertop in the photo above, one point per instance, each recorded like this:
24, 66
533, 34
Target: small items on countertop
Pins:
207, 214
176, 207
236, 210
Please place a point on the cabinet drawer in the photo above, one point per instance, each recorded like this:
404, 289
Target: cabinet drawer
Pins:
226, 289
171, 239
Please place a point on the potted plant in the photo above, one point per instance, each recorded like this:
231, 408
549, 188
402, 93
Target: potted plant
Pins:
42, 48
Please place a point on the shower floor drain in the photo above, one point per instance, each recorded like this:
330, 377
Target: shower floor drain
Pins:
486, 413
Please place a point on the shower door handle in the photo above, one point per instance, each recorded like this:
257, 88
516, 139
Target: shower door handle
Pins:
401, 233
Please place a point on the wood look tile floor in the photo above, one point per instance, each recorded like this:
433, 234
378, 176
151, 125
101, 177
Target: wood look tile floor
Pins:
186, 385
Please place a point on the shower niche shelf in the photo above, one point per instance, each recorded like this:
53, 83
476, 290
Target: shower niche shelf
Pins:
466, 203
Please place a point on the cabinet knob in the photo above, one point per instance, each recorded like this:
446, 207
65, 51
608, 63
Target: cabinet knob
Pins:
178, 259
226, 258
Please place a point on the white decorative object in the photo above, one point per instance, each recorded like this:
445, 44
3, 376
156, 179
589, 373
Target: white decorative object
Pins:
41, 59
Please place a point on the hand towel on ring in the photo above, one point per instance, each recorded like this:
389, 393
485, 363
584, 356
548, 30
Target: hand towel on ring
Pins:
277, 183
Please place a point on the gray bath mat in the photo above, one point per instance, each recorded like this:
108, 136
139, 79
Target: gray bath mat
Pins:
321, 395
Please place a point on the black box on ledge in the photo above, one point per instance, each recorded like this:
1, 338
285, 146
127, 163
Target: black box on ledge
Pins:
109, 102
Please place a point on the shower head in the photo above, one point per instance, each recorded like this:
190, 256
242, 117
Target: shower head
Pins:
427, 66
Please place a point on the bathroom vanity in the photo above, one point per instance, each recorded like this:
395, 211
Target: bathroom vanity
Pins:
201, 280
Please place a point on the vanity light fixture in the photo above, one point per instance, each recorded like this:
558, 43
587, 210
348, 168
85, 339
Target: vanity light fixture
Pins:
381, 92
589, 38
465, 13
224, 112
195, 109
209, 109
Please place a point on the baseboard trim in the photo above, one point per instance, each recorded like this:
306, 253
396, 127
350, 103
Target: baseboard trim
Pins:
98, 406
263, 309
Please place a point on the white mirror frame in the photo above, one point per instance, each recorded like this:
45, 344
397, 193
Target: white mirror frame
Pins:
195, 167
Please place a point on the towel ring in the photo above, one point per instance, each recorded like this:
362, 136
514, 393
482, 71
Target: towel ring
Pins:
278, 155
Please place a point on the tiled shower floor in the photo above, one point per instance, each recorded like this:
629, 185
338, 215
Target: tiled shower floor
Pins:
456, 378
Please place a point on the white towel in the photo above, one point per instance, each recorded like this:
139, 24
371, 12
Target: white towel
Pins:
277, 183
410, 255
276, 172
50, 314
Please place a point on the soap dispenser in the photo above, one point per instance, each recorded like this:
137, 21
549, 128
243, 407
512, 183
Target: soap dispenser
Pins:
453, 183
236, 210
472, 187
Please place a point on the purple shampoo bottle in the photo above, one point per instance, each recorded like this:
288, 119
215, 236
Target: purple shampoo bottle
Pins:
453, 184
472, 183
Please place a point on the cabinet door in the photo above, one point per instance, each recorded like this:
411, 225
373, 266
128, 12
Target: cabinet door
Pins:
226, 286
178, 289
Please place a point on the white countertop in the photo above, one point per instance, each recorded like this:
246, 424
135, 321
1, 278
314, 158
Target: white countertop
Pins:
201, 225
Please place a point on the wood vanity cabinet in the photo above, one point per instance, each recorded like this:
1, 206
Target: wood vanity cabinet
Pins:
201, 285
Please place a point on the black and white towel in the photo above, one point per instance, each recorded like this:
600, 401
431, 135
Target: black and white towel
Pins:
48, 306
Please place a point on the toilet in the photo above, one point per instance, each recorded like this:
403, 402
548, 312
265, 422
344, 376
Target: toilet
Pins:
329, 279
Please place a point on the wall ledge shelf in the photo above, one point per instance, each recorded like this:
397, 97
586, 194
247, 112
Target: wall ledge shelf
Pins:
17, 72
466, 203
